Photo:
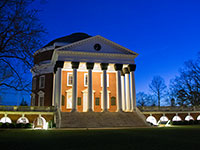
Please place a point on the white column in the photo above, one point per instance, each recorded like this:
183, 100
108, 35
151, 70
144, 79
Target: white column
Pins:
74, 90
133, 91
123, 93
89, 89
59, 86
105, 107
119, 91
54, 90
128, 104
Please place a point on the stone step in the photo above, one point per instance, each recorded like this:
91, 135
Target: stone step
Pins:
101, 119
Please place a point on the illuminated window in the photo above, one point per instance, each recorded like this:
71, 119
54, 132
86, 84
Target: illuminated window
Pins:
42, 82
188, 118
85, 79
34, 83
23, 120
164, 119
69, 79
152, 120
5, 120
102, 80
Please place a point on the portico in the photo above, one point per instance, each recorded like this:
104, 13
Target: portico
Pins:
92, 77
126, 104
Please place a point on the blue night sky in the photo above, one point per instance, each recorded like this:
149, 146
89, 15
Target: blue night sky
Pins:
165, 33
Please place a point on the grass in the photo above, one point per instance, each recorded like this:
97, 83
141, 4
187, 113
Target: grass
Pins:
170, 138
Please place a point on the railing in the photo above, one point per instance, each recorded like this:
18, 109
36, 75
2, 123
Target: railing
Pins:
28, 108
168, 108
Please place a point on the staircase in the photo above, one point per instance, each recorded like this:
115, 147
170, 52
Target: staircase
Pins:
101, 119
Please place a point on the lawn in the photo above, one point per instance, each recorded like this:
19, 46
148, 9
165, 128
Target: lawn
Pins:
165, 138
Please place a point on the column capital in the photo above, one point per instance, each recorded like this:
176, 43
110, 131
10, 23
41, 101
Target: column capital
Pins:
59, 64
118, 67
126, 70
104, 66
122, 73
75, 65
131, 67
89, 65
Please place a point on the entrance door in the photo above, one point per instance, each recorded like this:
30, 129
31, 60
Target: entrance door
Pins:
85, 100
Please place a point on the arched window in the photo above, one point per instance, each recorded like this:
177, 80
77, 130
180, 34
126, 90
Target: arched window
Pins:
188, 118
23, 120
152, 120
176, 118
5, 120
40, 123
163, 119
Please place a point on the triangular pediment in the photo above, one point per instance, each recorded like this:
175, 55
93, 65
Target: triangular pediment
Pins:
97, 44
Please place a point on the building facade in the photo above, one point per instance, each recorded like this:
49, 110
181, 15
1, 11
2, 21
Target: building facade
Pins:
83, 73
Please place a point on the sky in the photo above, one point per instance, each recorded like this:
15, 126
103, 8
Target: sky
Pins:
165, 33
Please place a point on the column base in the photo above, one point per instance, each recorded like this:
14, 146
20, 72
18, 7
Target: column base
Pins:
73, 110
105, 110
119, 110
89, 110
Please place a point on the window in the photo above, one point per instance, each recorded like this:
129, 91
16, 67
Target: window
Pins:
97, 101
102, 80
113, 101
32, 99
63, 100
41, 101
79, 101
42, 81
34, 84
85, 79
69, 79
41, 98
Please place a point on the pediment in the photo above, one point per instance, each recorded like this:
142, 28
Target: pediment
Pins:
91, 45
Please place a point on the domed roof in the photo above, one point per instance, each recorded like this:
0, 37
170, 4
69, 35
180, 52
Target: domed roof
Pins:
69, 39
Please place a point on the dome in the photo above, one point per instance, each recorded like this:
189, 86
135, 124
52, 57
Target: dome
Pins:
69, 39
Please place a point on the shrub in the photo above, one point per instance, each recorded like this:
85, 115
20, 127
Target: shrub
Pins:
12, 125
5, 125
177, 123
28, 125
20, 125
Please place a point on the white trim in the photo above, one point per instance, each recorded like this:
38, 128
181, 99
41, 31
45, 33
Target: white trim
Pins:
69, 73
40, 82
69, 46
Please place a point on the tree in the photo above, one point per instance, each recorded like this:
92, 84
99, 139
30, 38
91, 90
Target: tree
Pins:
144, 99
23, 103
20, 36
158, 88
186, 86
141, 99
